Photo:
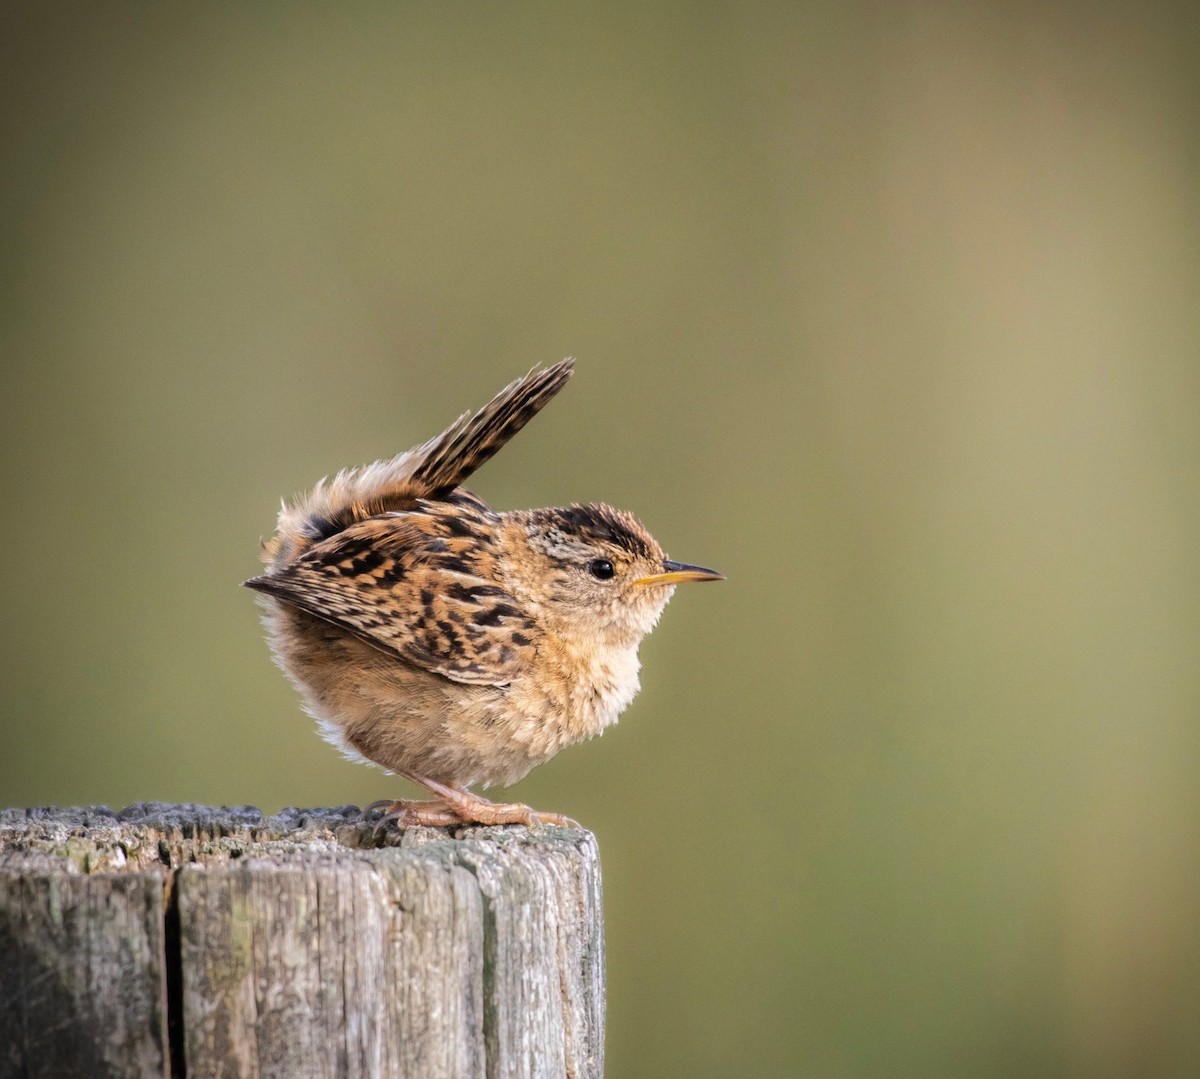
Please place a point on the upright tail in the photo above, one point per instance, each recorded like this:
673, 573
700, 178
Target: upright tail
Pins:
429, 471
472, 440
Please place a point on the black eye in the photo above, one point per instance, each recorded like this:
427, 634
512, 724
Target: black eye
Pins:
601, 569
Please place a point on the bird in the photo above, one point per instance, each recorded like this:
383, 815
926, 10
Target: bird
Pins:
450, 644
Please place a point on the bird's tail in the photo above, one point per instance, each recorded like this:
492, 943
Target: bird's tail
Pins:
429, 471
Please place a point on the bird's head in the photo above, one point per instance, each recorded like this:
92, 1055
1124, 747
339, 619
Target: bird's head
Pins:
592, 572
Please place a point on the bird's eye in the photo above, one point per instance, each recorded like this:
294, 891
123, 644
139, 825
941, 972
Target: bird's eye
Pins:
601, 569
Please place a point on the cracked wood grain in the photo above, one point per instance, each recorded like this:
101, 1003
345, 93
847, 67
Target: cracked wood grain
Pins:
165, 939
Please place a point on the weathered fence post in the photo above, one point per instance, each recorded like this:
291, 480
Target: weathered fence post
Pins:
171, 940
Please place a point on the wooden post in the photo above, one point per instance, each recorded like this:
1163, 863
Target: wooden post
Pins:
185, 940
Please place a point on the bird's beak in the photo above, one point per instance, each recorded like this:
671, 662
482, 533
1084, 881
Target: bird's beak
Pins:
679, 572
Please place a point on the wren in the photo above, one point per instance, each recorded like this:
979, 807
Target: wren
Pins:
450, 644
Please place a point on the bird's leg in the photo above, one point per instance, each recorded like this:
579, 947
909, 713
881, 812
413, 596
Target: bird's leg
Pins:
472, 809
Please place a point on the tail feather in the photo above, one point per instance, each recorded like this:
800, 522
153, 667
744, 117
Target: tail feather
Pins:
474, 439
429, 471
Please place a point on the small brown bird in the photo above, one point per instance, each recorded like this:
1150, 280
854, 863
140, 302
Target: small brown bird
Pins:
450, 644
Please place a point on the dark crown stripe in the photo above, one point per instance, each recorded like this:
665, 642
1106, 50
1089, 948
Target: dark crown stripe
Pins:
603, 524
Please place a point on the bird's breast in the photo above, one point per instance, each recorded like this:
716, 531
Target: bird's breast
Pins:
574, 696
612, 686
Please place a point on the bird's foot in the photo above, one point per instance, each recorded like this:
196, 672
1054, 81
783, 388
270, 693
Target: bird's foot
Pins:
482, 811
457, 805
410, 814
472, 809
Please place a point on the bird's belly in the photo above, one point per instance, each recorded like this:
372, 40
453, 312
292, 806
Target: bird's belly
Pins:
377, 708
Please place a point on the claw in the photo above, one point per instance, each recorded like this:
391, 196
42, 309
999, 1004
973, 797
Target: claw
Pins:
556, 818
405, 814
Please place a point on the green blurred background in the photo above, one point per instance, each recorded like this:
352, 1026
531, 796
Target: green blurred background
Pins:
889, 311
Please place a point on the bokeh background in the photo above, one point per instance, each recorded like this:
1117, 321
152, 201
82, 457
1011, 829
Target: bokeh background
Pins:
889, 311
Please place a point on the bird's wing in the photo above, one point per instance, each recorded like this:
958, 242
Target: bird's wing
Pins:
419, 585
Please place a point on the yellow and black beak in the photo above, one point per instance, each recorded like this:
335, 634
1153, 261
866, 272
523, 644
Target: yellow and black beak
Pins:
679, 572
